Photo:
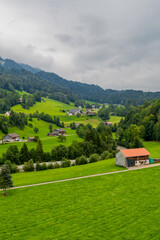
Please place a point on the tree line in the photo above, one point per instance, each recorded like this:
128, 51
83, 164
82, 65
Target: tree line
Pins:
140, 123
95, 141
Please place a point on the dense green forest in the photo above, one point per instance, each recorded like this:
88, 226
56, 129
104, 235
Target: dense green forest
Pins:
142, 122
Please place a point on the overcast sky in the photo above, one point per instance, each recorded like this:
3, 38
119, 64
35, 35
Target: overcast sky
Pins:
112, 43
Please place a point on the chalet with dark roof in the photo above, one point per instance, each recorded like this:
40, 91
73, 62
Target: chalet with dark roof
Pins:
11, 137
57, 132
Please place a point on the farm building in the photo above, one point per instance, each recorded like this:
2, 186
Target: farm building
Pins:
31, 139
57, 132
90, 113
74, 111
132, 157
11, 137
108, 124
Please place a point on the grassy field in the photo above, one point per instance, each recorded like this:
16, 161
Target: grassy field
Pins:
26, 178
47, 141
153, 148
119, 206
50, 106
54, 108
114, 119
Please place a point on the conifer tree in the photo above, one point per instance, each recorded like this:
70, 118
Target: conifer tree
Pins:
5, 179
39, 151
24, 153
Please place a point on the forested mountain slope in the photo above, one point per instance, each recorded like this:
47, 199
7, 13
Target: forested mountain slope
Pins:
27, 78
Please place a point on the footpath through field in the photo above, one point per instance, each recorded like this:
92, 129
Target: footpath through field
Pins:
89, 176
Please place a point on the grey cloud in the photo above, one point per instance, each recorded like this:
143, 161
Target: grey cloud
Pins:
108, 42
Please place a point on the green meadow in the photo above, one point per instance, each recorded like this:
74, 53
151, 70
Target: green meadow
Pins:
48, 141
50, 106
119, 206
27, 178
54, 108
153, 148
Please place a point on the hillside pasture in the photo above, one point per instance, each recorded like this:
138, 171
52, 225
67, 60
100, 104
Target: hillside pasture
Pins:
119, 206
48, 141
153, 148
50, 106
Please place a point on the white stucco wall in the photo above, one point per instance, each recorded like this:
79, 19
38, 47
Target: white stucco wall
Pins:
139, 163
121, 159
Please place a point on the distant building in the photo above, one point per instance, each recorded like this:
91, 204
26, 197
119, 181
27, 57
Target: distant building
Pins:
77, 124
90, 113
74, 111
132, 157
108, 124
57, 132
11, 137
69, 114
31, 139
7, 114
20, 100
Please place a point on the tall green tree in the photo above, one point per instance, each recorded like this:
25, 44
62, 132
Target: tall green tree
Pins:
5, 179
50, 127
39, 151
24, 154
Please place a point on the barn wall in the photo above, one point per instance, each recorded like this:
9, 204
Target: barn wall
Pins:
121, 159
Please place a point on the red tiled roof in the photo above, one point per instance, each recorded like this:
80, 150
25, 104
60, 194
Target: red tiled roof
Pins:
136, 152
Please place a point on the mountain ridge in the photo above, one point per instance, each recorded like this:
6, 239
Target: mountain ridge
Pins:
58, 88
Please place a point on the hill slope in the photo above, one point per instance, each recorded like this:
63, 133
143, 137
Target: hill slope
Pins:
27, 78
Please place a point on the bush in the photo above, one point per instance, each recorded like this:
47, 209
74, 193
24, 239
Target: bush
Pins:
50, 166
56, 165
36, 138
12, 166
104, 155
65, 163
111, 155
43, 166
28, 166
93, 157
81, 160
38, 166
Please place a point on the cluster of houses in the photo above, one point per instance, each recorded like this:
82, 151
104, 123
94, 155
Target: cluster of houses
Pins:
13, 137
76, 111
90, 111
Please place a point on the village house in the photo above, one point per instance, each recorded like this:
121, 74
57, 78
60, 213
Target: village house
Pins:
90, 113
20, 100
11, 137
74, 111
57, 132
69, 114
108, 124
31, 139
132, 157
7, 114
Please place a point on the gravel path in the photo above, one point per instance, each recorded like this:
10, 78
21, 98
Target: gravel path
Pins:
89, 176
